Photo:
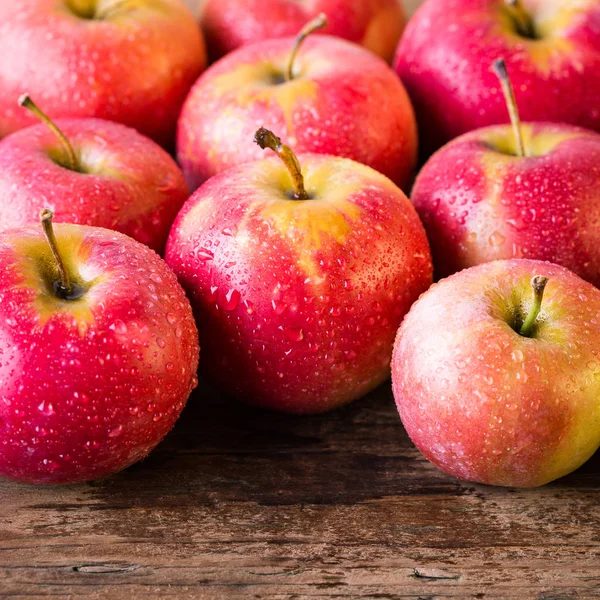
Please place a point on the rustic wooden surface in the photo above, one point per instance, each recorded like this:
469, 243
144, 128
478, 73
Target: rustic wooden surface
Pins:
239, 503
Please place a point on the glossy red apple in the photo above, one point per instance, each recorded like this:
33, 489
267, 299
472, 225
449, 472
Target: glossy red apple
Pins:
98, 352
531, 192
498, 383
131, 61
299, 278
90, 172
374, 24
552, 49
331, 97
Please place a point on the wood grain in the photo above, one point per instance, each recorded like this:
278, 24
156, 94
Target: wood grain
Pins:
239, 503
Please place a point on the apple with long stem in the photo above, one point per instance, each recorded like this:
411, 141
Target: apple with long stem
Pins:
300, 270
90, 172
552, 49
98, 352
496, 373
329, 97
130, 61
530, 190
229, 24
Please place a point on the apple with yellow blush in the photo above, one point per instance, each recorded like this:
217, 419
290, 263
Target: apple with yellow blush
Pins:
300, 271
129, 61
496, 373
327, 95
551, 47
527, 191
98, 352
374, 24
90, 172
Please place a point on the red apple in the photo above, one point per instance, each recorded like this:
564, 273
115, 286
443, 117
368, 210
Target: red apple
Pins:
333, 98
552, 48
90, 172
98, 352
229, 24
131, 61
492, 195
299, 279
497, 384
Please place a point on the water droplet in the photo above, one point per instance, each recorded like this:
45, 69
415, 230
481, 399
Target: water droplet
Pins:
116, 432
232, 300
294, 335
46, 408
496, 239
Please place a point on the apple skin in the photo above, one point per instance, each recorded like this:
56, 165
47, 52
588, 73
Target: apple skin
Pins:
130, 184
135, 67
89, 386
486, 404
375, 24
343, 102
298, 301
444, 59
480, 202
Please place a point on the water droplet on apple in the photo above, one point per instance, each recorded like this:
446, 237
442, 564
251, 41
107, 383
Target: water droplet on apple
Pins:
496, 239
294, 335
116, 432
232, 300
204, 254
46, 408
517, 356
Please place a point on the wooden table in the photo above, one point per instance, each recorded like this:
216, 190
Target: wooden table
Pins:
239, 503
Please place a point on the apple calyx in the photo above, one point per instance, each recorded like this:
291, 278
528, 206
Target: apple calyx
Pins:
72, 162
267, 139
538, 285
501, 71
523, 21
318, 23
64, 288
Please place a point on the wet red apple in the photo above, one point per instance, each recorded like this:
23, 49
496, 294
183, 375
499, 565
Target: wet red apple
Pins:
496, 373
374, 24
130, 61
90, 172
329, 97
551, 47
98, 352
299, 274
530, 191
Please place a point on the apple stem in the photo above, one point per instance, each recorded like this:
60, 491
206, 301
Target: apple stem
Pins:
318, 23
66, 288
26, 102
511, 102
522, 19
538, 284
267, 139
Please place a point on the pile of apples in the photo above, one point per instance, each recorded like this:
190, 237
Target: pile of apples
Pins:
298, 265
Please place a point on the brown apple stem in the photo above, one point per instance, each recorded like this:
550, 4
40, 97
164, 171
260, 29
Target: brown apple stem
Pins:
66, 287
511, 103
523, 21
267, 139
316, 24
26, 102
538, 284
